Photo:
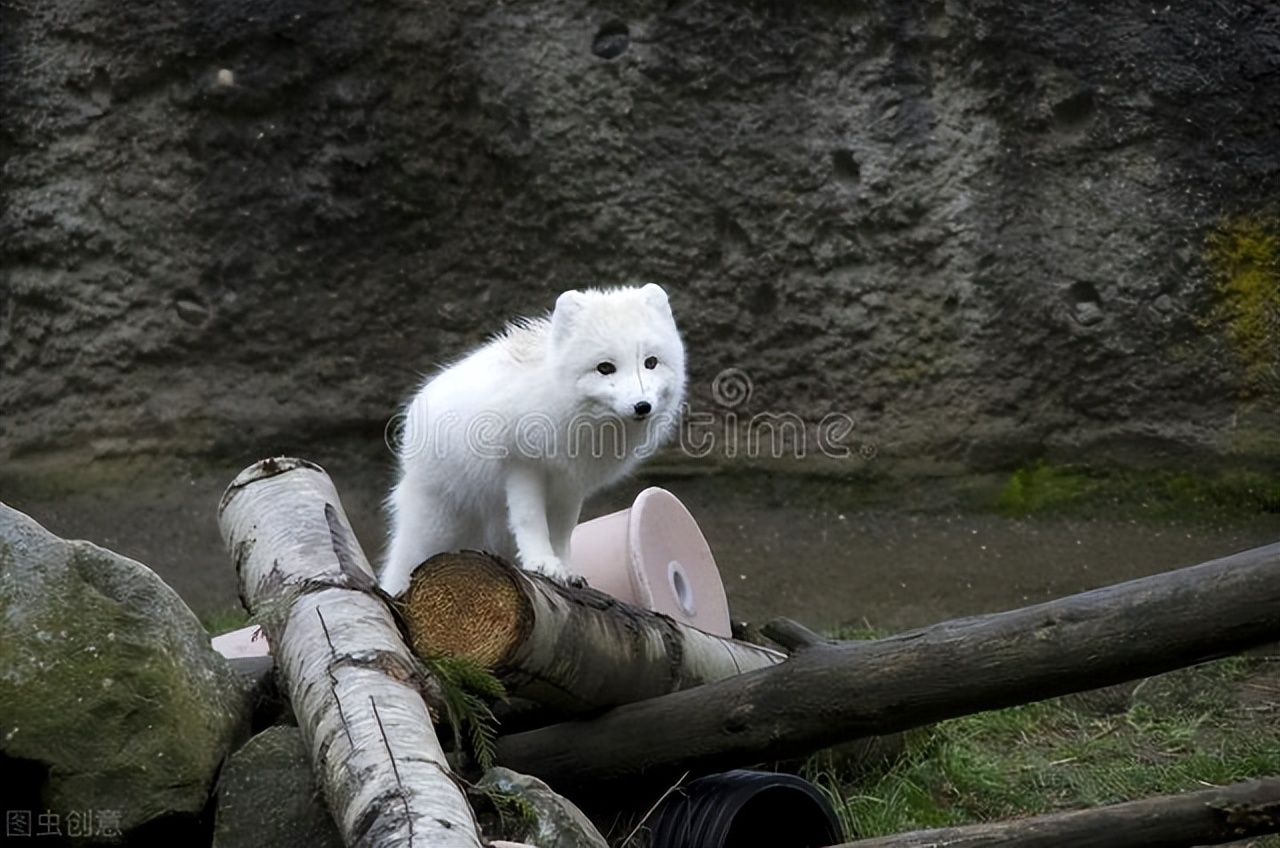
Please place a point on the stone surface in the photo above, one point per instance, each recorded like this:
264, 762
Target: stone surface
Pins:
551, 821
977, 231
109, 690
268, 797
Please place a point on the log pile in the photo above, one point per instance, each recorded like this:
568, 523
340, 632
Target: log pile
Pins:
831, 692
649, 699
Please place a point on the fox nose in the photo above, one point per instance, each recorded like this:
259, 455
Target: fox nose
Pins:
643, 408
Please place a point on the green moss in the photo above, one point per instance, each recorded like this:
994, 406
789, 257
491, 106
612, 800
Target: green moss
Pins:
1246, 491
1041, 488
1243, 255
1050, 489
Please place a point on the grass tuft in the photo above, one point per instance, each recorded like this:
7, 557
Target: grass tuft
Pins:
224, 621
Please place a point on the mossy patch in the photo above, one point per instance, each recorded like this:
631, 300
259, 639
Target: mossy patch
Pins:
1243, 255
1044, 488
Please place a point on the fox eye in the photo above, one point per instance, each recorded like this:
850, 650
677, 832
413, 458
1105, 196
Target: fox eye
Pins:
606, 368
651, 363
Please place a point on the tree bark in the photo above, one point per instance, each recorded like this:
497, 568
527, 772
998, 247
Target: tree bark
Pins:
573, 650
827, 694
353, 683
1206, 817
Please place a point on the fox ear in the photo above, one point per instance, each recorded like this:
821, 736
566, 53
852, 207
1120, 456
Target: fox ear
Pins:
568, 307
656, 298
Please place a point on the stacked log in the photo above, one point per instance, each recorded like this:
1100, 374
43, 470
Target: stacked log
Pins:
832, 692
653, 699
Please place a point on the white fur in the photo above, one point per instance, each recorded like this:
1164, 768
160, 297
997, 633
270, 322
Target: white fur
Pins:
499, 450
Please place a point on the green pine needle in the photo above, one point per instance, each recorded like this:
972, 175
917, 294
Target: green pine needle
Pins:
466, 689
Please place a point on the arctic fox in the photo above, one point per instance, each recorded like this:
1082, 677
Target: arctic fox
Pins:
498, 451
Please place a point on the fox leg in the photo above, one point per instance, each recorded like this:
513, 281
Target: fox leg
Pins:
422, 526
527, 512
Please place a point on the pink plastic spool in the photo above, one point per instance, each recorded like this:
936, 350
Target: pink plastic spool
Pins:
654, 556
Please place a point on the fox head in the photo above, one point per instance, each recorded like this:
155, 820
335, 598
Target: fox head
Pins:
621, 350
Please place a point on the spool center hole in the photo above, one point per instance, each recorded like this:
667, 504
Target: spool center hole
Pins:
681, 589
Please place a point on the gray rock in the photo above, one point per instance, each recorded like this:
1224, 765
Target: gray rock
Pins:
268, 797
552, 821
230, 226
107, 681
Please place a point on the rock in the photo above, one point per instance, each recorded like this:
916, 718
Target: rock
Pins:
550, 820
108, 686
268, 797
231, 226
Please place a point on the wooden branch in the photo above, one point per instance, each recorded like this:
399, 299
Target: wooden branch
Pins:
824, 696
573, 650
793, 635
352, 681
1206, 817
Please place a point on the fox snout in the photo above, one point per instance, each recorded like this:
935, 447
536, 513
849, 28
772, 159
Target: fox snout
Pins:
642, 408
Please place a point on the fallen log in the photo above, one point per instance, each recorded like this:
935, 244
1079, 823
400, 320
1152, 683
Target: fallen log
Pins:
1205, 817
573, 650
831, 693
352, 681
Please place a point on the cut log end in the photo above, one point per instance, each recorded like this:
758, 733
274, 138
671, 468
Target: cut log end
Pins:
262, 470
465, 604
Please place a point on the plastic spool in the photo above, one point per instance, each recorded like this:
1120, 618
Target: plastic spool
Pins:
246, 642
744, 809
654, 556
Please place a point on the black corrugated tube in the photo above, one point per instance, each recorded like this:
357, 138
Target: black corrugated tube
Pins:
744, 809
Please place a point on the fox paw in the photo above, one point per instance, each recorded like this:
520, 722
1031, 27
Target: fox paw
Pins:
553, 569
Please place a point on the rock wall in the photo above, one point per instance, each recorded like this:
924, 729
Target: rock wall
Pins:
978, 230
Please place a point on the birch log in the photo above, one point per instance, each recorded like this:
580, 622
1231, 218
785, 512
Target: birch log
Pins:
351, 679
573, 650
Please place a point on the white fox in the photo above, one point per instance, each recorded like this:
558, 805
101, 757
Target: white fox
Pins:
498, 451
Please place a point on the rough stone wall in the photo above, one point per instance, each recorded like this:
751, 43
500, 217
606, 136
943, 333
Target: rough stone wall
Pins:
977, 229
